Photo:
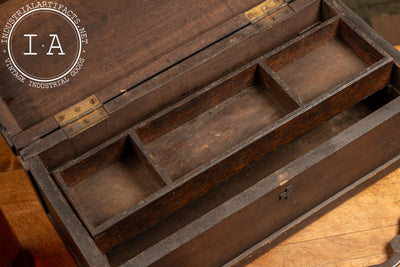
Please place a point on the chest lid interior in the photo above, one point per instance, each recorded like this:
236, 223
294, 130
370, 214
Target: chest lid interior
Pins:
123, 43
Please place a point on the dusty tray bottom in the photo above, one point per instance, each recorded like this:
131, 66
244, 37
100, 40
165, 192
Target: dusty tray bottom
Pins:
214, 132
114, 189
321, 70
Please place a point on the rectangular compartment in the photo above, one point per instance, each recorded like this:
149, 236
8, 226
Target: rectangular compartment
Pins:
215, 121
107, 182
323, 60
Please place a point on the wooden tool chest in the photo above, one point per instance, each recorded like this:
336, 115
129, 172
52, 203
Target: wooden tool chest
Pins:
200, 133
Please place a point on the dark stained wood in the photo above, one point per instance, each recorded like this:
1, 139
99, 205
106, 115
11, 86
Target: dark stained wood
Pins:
327, 11
165, 61
238, 109
315, 64
303, 45
210, 122
281, 91
114, 178
322, 70
359, 45
149, 161
43, 144
195, 105
34, 133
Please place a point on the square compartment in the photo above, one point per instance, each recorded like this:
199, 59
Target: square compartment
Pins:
323, 60
108, 182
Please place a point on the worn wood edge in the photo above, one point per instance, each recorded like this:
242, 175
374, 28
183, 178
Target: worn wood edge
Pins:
80, 243
34, 133
43, 144
7, 120
266, 185
324, 207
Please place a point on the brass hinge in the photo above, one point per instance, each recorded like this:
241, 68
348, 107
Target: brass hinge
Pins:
269, 13
81, 116
264, 9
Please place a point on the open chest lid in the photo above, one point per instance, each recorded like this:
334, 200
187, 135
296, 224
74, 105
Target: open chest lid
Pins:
107, 50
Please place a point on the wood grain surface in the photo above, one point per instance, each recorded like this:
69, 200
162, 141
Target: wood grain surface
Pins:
26, 215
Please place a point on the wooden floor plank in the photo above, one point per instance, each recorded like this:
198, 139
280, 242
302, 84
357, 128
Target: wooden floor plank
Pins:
329, 250
364, 261
37, 235
8, 161
13, 181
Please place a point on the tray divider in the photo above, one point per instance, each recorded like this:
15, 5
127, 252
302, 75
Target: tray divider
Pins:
278, 88
151, 163
56, 175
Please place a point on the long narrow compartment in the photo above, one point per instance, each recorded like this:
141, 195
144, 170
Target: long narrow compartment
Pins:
209, 125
